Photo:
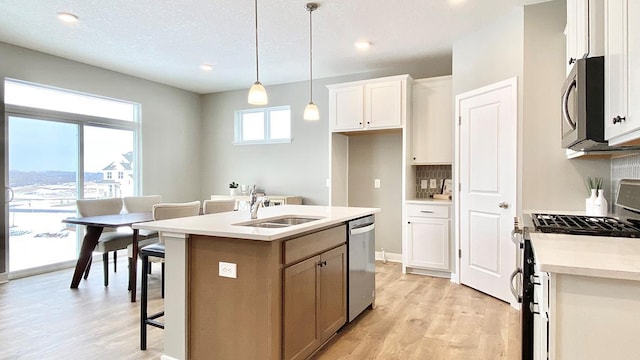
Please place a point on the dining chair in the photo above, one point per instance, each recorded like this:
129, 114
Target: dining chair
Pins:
138, 204
110, 239
218, 205
161, 211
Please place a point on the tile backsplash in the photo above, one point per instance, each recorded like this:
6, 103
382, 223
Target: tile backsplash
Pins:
428, 172
627, 167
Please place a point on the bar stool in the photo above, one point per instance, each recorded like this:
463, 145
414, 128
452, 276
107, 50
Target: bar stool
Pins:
153, 250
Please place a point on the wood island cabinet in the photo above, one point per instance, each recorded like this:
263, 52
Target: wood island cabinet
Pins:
314, 293
314, 302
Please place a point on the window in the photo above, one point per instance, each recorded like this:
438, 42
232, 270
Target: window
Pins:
62, 145
263, 126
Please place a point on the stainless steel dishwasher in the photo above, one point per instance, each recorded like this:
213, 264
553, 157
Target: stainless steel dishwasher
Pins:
362, 269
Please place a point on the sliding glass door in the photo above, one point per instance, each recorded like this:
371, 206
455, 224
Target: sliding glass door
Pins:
43, 158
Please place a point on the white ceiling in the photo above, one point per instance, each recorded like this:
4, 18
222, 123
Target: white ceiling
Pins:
167, 41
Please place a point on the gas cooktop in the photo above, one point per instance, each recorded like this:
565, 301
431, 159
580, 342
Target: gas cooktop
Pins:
586, 225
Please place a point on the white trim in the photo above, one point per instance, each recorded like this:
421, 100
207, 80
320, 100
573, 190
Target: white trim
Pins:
391, 257
4, 278
428, 272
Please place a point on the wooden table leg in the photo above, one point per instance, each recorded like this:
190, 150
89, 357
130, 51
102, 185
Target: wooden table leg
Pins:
86, 250
134, 266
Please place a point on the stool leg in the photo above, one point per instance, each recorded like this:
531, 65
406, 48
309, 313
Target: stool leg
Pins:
115, 260
143, 304
162, 279
86, 270
105, 268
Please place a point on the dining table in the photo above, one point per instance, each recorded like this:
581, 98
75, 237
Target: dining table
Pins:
94, 226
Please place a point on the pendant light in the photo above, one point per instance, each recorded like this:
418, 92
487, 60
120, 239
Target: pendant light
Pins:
311, 110
257, 92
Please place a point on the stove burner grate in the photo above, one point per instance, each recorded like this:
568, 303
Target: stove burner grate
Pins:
586, 225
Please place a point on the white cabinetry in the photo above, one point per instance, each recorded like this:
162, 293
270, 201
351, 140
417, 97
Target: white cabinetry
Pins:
622, 71
369, 104
585, 30
432, 118
426, 245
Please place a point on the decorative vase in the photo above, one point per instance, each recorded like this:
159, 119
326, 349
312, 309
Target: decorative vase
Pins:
600, 205
233, 191
590, 202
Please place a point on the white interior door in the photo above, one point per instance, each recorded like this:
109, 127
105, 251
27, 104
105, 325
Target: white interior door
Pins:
487, 149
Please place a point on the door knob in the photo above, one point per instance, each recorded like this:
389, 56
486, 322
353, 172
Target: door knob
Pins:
503, 205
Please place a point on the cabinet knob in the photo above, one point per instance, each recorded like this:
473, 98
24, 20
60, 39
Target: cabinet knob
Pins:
414, 158
618, 119
571, 60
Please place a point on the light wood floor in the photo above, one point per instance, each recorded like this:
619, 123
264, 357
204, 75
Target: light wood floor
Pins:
416, 317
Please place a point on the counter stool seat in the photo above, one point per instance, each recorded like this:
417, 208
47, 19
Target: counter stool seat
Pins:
153, 250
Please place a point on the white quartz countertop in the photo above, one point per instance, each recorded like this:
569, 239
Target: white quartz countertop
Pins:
599, 256
227, 224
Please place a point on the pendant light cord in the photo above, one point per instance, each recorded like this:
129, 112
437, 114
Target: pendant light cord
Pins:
310, 55
257, 70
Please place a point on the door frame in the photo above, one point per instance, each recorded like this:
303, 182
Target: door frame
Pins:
516, 91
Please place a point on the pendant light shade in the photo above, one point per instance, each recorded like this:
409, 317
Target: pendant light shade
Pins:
257, 92
311, 110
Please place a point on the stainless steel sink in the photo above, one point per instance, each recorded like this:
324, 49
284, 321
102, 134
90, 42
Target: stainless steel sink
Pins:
280, 222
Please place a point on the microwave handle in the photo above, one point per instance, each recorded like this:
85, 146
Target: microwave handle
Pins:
565, 105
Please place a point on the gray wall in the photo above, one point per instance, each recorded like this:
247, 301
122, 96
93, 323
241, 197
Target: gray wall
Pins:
170, 119
378, 156
529, 43
300, 168
549, 180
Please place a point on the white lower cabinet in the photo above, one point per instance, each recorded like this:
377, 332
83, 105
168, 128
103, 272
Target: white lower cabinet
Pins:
427, 242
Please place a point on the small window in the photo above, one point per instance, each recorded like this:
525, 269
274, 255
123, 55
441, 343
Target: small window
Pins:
120, 175
263, 126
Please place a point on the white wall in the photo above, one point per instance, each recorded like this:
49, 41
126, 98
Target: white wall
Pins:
170, 117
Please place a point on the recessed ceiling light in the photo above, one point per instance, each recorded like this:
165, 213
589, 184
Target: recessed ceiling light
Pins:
67, 17
206, 67
457, 2
362, 44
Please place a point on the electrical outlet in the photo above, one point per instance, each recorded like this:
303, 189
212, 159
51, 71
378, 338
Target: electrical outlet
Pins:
376, 183
424, 184
432, 183
228, 270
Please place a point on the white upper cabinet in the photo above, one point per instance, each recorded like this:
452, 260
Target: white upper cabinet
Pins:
622, 71
584, 31
369, 104
432, 119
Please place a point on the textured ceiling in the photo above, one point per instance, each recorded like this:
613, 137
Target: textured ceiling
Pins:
167, 41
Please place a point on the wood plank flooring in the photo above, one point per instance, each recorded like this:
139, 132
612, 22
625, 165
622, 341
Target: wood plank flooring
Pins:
416, 317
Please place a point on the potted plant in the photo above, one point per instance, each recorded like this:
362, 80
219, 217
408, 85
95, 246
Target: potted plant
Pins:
593, 202
233, 188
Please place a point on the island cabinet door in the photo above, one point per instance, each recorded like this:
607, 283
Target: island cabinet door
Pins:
332, 300
300, 320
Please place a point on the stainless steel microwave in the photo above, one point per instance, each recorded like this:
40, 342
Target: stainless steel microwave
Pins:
583, 106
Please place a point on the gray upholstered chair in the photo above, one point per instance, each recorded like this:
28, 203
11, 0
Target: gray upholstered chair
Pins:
218, 205
110, 239
138, 204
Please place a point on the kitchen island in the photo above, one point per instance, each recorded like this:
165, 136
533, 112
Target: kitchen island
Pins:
238, 288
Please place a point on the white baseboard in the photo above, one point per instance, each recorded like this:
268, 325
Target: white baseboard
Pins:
166, 357
435, 273
4, 277
392, 257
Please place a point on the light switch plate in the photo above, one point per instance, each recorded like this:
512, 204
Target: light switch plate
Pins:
228, 270
376, 183
432, 183
424, 184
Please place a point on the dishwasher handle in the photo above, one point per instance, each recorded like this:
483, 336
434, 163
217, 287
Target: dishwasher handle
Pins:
362, 230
